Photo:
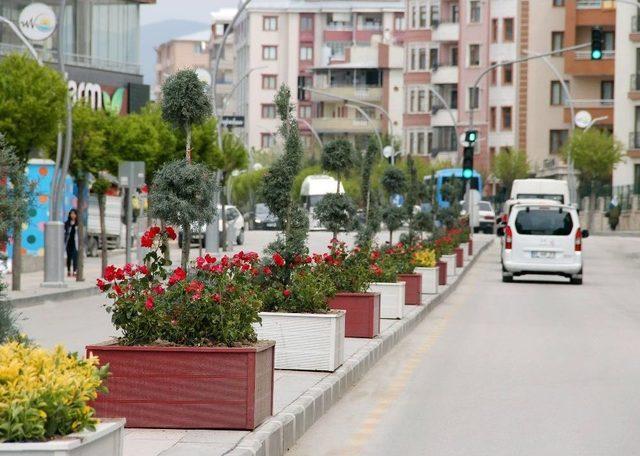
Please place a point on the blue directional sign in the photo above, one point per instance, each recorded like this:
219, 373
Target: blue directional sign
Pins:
397, 200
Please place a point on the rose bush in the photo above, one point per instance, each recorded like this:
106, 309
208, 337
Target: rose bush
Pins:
215, 303
348, 270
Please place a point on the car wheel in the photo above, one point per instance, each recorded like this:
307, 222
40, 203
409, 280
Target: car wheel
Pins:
576, 279
240, 239
507, 277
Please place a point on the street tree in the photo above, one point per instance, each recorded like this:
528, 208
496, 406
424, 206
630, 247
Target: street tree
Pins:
32, 107
509, 165
394, 183
181, 194
393, 218
185, 103
595, 153
370, 157
338, 157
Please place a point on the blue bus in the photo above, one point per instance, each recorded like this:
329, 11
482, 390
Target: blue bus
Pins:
447, 175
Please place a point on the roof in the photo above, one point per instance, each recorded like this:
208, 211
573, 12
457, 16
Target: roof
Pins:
202, 35
223, 14
294, 6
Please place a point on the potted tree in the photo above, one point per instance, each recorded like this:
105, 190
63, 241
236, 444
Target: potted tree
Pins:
402, 257
426, 265
384, 276
188, 356
47, 408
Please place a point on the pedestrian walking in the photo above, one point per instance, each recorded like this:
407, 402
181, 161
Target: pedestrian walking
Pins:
613, 213
71, 241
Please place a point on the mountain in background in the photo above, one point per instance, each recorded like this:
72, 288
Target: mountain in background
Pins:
152, 35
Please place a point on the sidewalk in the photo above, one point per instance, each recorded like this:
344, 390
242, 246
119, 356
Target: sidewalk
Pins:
300, 398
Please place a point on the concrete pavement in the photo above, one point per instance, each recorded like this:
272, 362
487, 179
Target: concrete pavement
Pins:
537, 367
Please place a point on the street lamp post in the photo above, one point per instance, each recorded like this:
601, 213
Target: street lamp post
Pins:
364, 114
313, 131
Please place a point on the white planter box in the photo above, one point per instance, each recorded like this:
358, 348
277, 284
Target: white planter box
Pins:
465, 251
106, 440
391, 298
429, 279
451, 264
313, 342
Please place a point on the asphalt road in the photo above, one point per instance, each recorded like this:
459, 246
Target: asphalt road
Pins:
536, 367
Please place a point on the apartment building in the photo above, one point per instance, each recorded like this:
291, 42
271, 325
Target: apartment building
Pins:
544, 121
188, 51
226, 77
627, 96
341, 51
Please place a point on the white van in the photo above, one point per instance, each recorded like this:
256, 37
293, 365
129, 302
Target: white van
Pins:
542, 238
551, 189
313, 189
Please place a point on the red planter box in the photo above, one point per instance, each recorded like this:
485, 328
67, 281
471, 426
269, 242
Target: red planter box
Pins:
442, 272
459, 257
187, 387
412, 288
363, 313
470, 251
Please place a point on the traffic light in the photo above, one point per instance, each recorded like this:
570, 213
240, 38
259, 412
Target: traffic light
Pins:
470, 136
467, 162
596, 44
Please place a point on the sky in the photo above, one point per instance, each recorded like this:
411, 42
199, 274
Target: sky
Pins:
192, 10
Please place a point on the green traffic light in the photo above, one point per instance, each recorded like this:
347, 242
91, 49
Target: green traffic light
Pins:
596, 54
467, 173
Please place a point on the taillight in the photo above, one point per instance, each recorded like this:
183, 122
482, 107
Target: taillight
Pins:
508, 238
578, 243
504, 218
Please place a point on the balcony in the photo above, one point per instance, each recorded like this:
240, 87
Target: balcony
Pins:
593, 13
339, 27
634, 87
445, 74
597, 108
345, 125
445, 31
589, 4
364, 93
579, 63
634, 35
440, 117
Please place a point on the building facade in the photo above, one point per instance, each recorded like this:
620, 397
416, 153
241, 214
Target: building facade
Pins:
226, 77
341, 51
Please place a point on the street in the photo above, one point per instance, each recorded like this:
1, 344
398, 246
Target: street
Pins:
536, 367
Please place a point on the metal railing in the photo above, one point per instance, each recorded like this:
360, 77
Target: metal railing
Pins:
588, 4
586, 55
339, 27
370, 26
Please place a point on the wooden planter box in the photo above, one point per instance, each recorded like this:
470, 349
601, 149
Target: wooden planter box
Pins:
442, 272
429, 279
465, 251
363, 313
470, 246
459, 257
391, 298
412, 289
106, 440
313, 342
187, 387
451, 264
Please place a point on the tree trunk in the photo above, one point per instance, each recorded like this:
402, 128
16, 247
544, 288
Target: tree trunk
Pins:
165, 242
390, 237
186, 244
82, 185
103, 232
592, 207
223, 217
16, 258
200, 243
366, 213
188, 146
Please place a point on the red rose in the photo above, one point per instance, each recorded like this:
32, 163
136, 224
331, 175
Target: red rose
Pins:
110, 273
154, 230
145, 188
128, 269
267, 270
102, 285
178, 275
277, 259
149, 303
117, 289
143, 270
171, 233
286, 293
216, 297
158, 289
210, 259
146, 240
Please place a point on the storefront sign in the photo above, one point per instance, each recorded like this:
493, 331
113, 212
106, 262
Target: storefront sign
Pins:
96, 96
232, 121
37, 21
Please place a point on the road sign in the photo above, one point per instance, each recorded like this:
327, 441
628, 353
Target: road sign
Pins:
583, 119
232, 121
397, 200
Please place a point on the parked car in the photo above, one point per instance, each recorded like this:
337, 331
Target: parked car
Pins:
486, 217
542, 238
235, 222
551, 189
263, 219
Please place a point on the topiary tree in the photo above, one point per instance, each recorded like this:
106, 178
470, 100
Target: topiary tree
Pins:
393, 217
185, 103
336, 212
181, 194
338, 157
393, 181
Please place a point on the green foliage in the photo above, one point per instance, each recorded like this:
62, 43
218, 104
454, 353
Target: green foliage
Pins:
184, 100
307, 292
509, 165
336, 212
300, 177
422, 222
8, 328
595, 153
32, 104
347, 269
246, 187
393, 217
338, 157
100, 186
393, 181
88, 143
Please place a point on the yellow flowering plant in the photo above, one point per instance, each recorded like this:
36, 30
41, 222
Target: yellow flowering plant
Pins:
425, 258
44, 394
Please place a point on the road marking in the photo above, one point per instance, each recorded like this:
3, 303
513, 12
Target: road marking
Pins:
397, 385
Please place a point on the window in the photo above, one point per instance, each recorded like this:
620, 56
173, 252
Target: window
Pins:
418, 59
544, 222
268, 111
306, 23
492, 118
398, 22
200, 47
557, 93
558, 2
494, 75
414, 17
557, 41
474, 97
434, 15
453, 57
423, 16
557, 138
455, 13
218, 29
269, 52
269, 81
507, 29
606, 92
474, 11
417, 100
494, 30
608, 41
507, 75
306, 52
506, 117
417, 142
474, 55
636, 179
267, 140
269, 23
304, 111
337, 49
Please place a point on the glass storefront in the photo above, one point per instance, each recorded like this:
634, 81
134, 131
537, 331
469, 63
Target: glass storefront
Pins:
98, 33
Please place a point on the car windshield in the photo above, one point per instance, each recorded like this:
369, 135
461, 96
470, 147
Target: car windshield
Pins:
546, 222
262, 209
315, 199
484, 206
545, 196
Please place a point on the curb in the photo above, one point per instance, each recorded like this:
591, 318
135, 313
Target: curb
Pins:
279, 433
73, 293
